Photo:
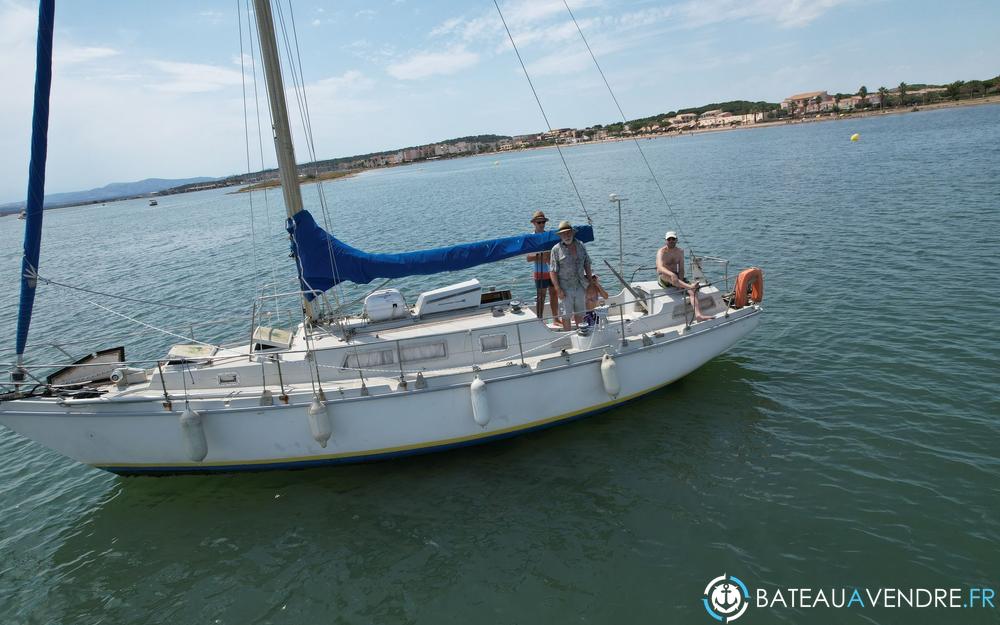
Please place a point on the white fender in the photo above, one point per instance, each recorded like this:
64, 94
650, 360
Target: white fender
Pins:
480, 402
193, 434
609, 374
319, 422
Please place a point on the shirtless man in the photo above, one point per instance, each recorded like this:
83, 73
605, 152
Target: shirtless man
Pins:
670, 269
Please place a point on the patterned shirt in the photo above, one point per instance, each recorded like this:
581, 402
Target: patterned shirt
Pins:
571, 269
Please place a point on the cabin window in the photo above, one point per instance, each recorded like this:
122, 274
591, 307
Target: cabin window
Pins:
362, 360
493, 342
427, 351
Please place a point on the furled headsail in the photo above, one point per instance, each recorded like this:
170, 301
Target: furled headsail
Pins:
36, 175
325, 261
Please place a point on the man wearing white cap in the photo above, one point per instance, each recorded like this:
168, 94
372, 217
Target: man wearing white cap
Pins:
670, 269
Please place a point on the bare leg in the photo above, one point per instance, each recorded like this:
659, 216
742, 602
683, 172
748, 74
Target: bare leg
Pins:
554, 303
692, 291
693, 294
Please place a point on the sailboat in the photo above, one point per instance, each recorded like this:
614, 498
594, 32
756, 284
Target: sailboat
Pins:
463, 365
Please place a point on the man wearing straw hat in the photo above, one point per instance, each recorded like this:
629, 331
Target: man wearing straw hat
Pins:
543, 280
570, 272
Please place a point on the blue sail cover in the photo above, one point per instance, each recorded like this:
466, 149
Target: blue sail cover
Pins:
319, 272
36, 171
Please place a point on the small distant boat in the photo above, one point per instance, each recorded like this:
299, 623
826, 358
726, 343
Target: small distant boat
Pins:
153, 202
22, 215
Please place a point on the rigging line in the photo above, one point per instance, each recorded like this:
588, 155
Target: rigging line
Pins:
321, 192
33, 275
625, 121
260, 148
299, 86
298, 79
246, 140
542, 109
290, 60
167, 332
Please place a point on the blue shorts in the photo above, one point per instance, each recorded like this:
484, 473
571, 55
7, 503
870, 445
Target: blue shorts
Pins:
544, 283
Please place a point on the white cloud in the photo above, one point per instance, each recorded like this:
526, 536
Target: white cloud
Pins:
366, 13
364, 49
70, 55
527, 12
212, 17
447, 27
786, 13
193, 77
424, 64
244, 60
349, 83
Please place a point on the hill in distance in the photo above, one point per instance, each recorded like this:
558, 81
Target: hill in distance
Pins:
109, 192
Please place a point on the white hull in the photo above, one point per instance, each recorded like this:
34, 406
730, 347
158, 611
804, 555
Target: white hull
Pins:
141, 436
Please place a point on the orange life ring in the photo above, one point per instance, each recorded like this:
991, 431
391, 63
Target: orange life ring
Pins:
749, 282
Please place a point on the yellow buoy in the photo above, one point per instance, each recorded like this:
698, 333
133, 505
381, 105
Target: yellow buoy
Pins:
855, 137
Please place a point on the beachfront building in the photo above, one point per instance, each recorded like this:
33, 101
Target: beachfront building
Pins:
856, 102
721, 119
921, 95
683, 121
808, 102
379, 160
713, 119
523, 141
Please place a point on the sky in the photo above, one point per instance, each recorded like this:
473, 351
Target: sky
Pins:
156, 89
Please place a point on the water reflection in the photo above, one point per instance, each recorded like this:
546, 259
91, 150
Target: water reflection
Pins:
396, 540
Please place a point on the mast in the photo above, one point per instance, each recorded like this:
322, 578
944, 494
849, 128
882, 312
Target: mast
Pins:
36, 179
283, 147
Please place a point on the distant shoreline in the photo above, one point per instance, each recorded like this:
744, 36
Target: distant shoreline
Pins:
336, 175
832, 117
308, 179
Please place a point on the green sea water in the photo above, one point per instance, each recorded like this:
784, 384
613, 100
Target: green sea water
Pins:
852, 441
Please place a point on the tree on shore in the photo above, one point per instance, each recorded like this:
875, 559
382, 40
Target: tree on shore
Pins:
883, 95
902, 93
954, 90
863, 94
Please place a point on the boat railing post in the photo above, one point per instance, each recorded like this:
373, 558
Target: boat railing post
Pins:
621, 317
402, 375
281, 380
253, 321
520, 347
166, 397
